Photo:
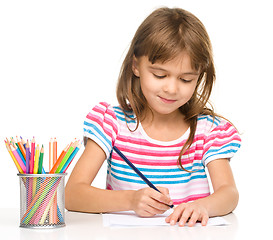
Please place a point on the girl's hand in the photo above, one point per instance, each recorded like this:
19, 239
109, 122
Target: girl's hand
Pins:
148, 202
191, 212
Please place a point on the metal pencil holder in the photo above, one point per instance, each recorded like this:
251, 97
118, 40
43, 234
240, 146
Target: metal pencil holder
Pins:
42, 200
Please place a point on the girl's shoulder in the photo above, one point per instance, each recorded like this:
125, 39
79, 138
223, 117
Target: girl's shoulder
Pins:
105, 110
207, 124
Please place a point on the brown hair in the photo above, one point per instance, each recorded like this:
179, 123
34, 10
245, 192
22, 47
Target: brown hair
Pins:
162, 36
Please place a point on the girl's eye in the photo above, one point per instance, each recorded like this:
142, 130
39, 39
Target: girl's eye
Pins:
159, 76
185, 80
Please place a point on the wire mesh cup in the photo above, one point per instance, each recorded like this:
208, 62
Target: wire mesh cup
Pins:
42, 200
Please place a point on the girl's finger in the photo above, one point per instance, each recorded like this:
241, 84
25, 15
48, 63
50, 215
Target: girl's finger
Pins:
185, 216
174, 217
161, 198
204, 220
193, 219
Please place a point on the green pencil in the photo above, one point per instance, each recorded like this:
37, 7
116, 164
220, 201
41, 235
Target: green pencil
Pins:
41, 158
66, 156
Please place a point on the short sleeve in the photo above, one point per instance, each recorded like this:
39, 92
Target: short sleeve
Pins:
100, 125
223, 141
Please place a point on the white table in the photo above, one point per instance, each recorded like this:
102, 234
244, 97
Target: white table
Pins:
89, 226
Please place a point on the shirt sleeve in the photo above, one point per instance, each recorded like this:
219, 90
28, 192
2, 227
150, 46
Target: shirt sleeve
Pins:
223, 141
101, 126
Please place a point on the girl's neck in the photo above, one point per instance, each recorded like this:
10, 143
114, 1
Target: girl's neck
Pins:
164, 127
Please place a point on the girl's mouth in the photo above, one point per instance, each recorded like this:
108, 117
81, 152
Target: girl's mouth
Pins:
166, 100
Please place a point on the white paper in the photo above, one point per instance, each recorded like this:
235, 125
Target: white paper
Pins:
129, 218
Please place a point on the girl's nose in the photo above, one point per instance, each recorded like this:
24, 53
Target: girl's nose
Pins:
170, 86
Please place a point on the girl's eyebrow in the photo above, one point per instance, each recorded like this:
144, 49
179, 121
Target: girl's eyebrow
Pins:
158, 68
164, 70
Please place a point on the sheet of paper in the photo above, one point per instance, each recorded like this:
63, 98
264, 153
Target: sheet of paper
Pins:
128, 218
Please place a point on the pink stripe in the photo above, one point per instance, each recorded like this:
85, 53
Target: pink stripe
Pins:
159, 152
222, 127
222, 143
224, 133
99, 121
189, 198
157, 162
105, 104
112, 124
221, 136
140, 141
103, 112
104, 108
95, 118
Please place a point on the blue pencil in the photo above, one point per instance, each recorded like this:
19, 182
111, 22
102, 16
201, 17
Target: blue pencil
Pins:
136, 170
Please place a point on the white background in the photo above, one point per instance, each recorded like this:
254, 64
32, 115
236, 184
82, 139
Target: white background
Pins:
59, 58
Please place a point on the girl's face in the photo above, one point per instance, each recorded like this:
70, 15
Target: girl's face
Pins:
166, 86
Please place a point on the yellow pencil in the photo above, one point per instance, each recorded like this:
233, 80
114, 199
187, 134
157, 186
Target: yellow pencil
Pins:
35, 170
36, 160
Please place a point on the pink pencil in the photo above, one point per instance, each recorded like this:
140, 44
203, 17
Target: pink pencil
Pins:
31, 164
18, 158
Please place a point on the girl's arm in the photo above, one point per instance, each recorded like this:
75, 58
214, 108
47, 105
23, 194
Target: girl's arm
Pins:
81, 196
221, 202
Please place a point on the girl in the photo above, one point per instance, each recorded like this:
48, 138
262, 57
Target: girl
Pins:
163, 127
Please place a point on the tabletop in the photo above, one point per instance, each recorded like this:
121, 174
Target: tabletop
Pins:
90, 226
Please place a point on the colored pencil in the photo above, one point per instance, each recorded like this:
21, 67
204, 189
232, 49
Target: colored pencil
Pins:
23, 142
136, 170
27, 157
54, 151
13, 158
36, 160
41, 158
18, 158
31, 164
16, 146
53, 169
21, 147
50, 153
67, 155
71, 157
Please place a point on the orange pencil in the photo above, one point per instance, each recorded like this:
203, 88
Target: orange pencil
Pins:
21, 147
53, 169
50, 153
54, 151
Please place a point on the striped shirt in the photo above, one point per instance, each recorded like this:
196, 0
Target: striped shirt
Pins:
157, 160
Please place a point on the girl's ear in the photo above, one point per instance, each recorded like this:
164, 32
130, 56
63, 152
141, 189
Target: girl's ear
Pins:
135, 67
